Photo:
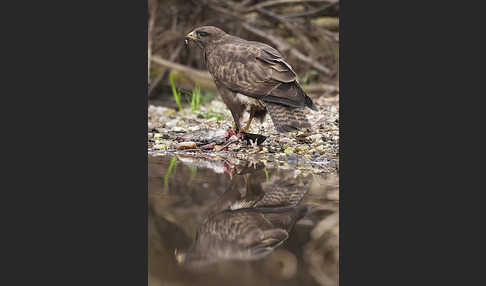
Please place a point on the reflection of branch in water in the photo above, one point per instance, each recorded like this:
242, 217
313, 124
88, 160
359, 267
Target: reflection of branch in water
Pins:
252, 218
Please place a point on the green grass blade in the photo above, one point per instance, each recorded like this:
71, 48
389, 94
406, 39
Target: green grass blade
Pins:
177, 95
198, 96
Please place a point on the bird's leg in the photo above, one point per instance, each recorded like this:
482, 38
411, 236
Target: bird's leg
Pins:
248, 123
234, 128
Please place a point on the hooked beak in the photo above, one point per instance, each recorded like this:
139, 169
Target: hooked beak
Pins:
190, 36
180, 256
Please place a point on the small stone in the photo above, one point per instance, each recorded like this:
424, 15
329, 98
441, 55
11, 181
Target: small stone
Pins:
171, 124
264, 150
169, 112
285, 141
301, 148
315, 137
160, 146
186, 145
288, 151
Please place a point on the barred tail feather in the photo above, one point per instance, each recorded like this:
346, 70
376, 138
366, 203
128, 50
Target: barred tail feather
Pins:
286, 118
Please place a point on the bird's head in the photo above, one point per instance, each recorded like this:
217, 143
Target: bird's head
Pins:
204, 36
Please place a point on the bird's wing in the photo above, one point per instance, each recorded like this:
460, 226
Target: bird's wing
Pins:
256, 70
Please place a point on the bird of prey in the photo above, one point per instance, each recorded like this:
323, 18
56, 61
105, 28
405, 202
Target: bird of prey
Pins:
253, 77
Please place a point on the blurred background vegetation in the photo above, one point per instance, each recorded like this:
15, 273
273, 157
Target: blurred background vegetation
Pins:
306, 32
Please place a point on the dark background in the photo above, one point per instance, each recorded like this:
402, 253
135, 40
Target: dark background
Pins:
75, 196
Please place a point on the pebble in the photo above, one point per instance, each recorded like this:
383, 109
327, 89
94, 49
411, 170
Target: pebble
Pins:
288, 151
315, 137
160, 146
301, 148
171, 123
186, 145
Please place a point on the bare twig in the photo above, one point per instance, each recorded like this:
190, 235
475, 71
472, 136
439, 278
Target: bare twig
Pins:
152, 14
159, 78
229, 143
277, 2
290, 26
309, 12
330, 23
226, 12
282, 46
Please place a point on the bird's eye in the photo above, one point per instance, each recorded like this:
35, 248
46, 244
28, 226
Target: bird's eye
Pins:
202, 34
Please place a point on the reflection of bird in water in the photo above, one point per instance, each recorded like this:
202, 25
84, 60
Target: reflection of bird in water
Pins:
253, 186
244, 234
251, 219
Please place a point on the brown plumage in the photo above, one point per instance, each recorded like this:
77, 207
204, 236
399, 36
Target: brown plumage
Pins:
253, 77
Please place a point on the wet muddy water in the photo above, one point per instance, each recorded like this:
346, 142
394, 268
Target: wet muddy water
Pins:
212, 222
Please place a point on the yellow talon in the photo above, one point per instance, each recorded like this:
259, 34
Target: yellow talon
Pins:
247, 127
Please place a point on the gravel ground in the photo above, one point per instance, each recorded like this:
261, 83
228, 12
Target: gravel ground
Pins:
201, 133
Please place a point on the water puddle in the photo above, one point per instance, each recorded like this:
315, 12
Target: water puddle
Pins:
213, 221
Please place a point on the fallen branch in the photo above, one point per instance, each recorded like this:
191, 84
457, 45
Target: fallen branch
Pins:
204, 78
192, 76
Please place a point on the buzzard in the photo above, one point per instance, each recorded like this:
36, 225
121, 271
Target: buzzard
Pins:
253, 77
